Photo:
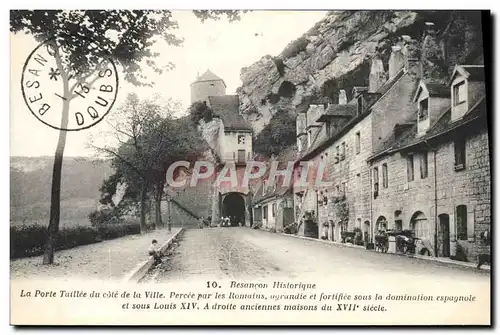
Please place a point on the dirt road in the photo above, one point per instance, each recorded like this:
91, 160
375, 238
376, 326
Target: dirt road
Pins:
242, 253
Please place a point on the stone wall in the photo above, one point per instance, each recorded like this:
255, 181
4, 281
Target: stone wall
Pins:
201, 90
408, 198
353, 170
179, 217
386, 113
470, 187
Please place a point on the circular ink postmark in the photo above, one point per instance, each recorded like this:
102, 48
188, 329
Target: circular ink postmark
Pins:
65, 91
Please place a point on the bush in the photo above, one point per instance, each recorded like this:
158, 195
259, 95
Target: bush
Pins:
104, 217
295, 47
292, 228
29, 240
111, 231
277, 135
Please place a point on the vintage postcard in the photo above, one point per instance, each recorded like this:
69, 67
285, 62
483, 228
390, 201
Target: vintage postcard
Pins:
245, 167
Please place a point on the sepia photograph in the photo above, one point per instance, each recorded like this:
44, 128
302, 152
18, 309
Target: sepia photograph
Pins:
250, 167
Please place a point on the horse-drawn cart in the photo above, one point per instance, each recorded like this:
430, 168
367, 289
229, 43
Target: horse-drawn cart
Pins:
381, 242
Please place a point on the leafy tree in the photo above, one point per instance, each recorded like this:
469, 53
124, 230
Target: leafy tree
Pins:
86, 36
200, 111
277, 135
149, 141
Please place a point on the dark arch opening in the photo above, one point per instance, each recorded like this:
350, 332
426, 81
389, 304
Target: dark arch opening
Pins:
287, 89
381, 223
233, 206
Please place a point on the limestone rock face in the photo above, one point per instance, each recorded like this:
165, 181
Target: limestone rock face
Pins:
210, 131
335, 54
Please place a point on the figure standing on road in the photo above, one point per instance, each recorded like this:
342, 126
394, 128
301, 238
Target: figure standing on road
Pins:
200, 222
154, 251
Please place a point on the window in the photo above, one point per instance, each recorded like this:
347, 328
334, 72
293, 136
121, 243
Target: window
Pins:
409, 168
343, 189
459, 93
328, 129
423, 166
462, 222
375, 182
360, 105
342, 156
423, 110
264, 212
273, 210
337, 155
337, 189
358, 142
241, 139
385, 180
309, 138
459, 154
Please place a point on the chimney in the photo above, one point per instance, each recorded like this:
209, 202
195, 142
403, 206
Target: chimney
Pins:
377, 75
432, 55
411, 51
321, 110
313, 113
301, 131
396, 61
312, 116
342, 97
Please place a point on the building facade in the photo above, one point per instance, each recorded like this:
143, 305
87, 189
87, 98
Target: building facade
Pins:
437, 171
408, 152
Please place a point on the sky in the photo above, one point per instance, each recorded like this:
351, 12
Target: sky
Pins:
220, 46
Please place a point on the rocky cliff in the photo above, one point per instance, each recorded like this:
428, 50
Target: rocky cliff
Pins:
335, 54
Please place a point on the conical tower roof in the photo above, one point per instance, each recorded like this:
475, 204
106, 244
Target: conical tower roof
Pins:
209, 76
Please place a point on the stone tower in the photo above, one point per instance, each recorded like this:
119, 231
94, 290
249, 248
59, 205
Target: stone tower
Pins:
208, 84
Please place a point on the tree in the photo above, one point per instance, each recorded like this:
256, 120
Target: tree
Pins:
89, 36
180, 142
139, 131
277, 135
149, 141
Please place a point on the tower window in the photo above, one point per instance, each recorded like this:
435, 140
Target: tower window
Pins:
212, 85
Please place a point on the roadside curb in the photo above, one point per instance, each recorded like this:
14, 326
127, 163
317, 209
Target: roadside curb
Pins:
142, 268
345, 245
426, 258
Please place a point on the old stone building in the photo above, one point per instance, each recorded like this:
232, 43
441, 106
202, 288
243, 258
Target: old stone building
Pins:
230, 138
434, 172
410, 151
273, 202
344, 135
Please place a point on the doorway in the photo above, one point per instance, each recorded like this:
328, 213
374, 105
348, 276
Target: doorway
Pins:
444, 238
233, 206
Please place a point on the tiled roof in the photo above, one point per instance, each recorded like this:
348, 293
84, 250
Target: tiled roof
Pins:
227, 108
388, 84
472, 72
358, 89
208, 76
346, 110
476, 72
438, 90
372, 98
443, 125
